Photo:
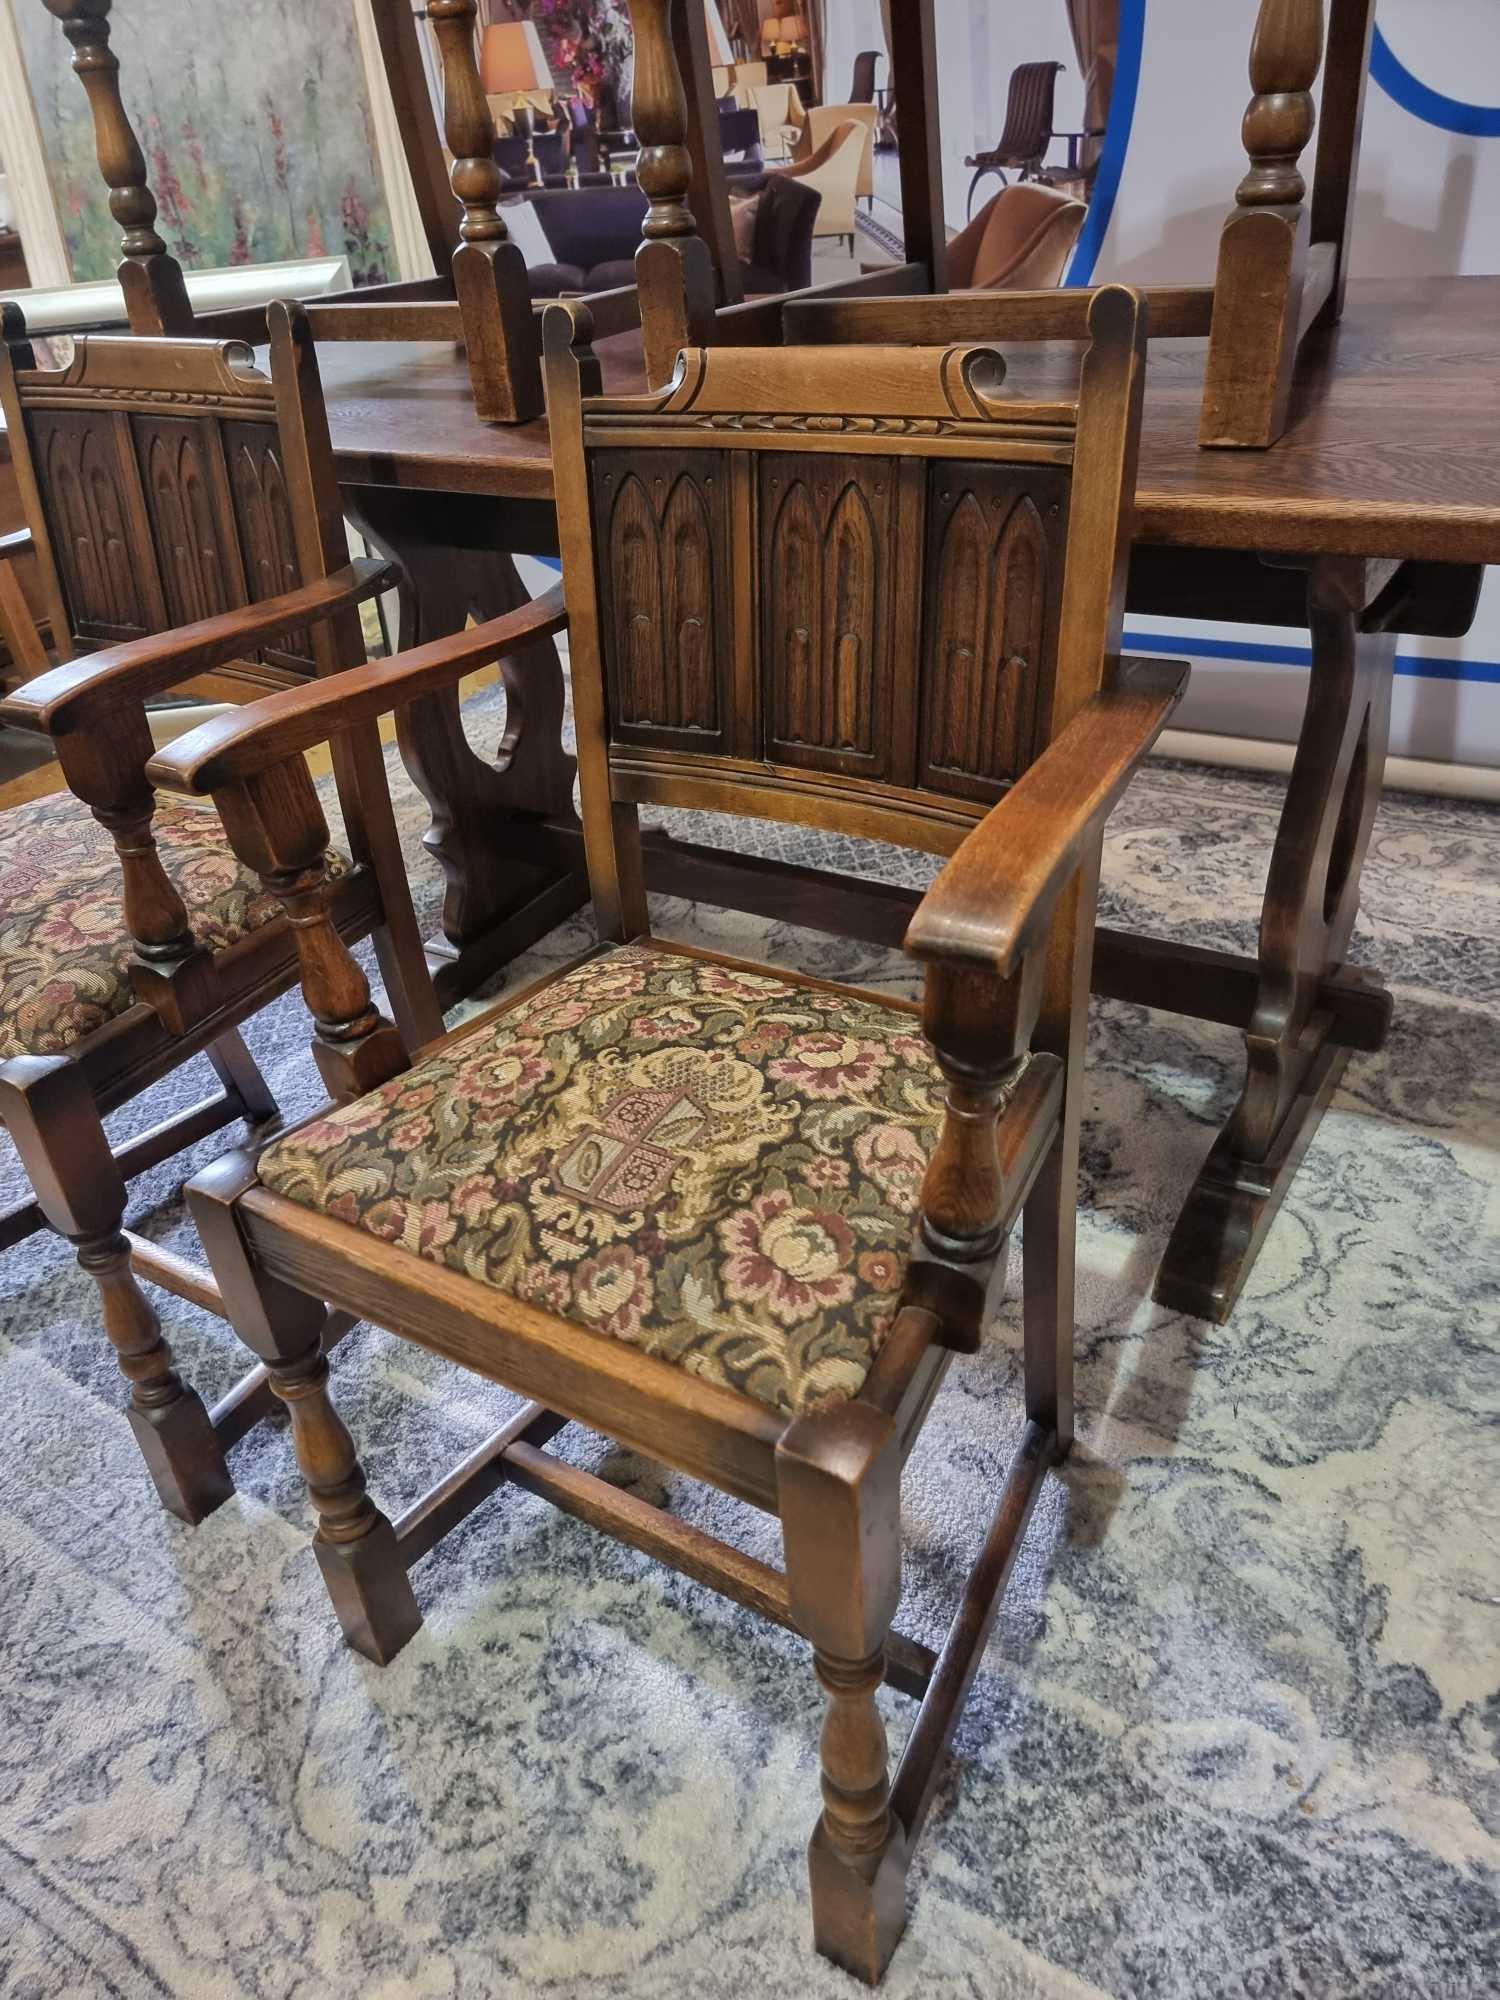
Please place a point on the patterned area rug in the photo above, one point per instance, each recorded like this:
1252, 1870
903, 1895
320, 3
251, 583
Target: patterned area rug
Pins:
1237, 1731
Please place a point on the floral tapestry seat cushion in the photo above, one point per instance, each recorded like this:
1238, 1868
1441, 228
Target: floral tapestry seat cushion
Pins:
64, 949
718, 1165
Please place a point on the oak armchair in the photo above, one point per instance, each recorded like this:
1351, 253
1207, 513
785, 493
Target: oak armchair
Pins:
193, 541
733, 1218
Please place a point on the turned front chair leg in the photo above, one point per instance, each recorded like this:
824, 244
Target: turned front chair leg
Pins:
838, 1488
49, 1111
355, 1543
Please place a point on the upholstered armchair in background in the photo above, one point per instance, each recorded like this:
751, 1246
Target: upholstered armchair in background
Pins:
782, 118
824, 120
594, 233
1019, 241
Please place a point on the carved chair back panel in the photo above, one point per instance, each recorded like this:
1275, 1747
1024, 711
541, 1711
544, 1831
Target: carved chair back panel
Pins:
842, 596
164, 495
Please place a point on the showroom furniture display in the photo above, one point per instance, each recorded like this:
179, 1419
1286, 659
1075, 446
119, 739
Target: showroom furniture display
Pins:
1023, 143
1384, 498
685, 1099
1019, 241
1378, 487
480, 296
530, 159
193, 534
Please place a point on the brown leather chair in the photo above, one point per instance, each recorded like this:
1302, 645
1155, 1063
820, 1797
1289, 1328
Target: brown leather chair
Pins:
1018, 242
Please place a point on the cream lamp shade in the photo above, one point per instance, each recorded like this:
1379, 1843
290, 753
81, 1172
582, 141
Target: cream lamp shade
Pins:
720, 54
511, 59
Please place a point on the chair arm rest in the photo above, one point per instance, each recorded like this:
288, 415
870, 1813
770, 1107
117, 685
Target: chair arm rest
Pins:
995, 896
235, 746
18, 543
87, 690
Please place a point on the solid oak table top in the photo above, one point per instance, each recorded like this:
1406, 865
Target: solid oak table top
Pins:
1392, 448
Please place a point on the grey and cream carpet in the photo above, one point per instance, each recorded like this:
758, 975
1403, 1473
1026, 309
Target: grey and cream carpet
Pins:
1237, 1732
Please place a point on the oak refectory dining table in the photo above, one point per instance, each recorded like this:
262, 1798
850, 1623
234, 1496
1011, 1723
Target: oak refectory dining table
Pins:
1371, 516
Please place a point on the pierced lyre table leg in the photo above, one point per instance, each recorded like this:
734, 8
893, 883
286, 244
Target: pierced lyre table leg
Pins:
1312, 897
504, 833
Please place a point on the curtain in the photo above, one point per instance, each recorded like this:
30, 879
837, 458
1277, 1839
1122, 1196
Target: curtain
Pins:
742, 18
817, 41
1096, 37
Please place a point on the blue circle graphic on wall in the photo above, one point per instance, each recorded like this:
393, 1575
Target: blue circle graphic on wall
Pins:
1433, 107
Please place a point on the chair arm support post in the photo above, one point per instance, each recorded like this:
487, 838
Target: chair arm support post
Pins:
276, 827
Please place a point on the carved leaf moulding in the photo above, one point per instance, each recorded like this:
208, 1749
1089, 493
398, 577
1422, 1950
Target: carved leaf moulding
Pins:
256, 404
811, 424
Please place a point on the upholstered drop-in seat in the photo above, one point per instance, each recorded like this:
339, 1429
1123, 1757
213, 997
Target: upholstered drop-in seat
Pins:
720, 1166
64, 950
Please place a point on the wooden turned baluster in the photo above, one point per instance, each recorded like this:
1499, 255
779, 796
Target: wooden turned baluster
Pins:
489, 272
156, 299
276, 826
105, 767
1284, 57
838, 1483
169, 969
979, 1027
673, 268
853, 1752
1258, 288
155, 915
355, 1543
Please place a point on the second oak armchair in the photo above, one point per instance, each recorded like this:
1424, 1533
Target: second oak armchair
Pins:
736, 1219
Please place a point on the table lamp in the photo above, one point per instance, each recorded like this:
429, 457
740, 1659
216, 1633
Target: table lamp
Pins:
511, 63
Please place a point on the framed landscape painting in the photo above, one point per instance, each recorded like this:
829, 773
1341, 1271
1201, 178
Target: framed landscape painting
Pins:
255, 124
